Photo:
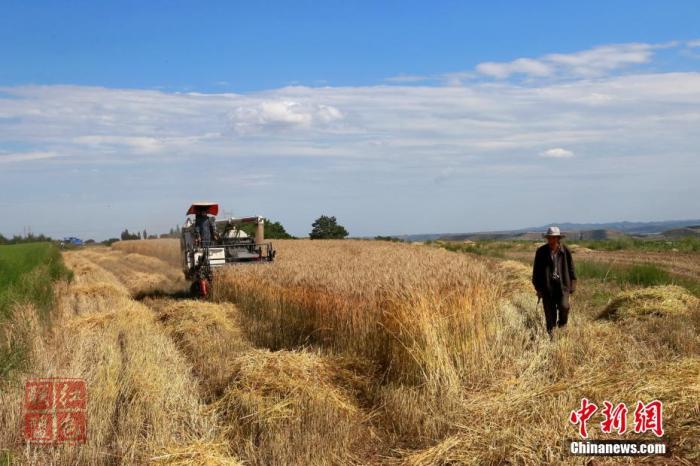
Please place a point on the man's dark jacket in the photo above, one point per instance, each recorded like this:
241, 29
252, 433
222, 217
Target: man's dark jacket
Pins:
544, 266
205, 227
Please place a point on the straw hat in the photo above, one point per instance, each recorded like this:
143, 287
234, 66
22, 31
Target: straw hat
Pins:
553, 231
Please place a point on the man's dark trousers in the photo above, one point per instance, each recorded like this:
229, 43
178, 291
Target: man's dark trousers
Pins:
556, 304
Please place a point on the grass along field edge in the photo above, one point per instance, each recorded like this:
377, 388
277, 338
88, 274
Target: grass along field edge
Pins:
27, 276
642, 275
638, 275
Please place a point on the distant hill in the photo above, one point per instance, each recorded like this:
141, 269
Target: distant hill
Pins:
630, 228
585, 231
536, 235
677, 233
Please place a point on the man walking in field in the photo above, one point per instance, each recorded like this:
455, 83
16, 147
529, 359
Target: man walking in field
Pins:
554, 278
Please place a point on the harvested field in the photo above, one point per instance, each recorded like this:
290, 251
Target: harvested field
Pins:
165, 249
682, 264
143, 399
170, 379
458, 346
660, 301
210, 336
140, 274
353, 352
294, 407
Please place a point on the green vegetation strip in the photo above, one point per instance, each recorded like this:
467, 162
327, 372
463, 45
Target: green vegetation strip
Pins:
687, 244
638, 275
27, 275
481, 248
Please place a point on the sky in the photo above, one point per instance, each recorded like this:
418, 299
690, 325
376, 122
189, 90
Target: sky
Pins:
395, 117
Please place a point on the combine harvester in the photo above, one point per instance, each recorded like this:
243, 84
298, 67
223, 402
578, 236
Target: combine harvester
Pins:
207, 244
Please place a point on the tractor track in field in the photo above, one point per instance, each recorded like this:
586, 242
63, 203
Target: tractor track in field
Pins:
143, 401
208, 336
164, 292
312, 405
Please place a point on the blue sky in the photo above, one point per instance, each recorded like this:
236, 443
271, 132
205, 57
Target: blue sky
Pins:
250, 46
397, 117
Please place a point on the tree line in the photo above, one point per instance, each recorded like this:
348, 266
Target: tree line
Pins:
29, 238
324, 227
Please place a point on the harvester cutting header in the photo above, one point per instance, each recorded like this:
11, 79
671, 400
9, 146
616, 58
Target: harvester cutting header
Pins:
207, 244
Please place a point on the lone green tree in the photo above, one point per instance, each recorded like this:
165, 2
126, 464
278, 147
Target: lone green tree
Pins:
127, 236
327, 228
273, 230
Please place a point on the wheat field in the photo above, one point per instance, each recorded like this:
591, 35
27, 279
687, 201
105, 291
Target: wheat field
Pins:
347, 352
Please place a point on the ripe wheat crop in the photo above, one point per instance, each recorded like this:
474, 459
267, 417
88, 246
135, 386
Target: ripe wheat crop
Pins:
460, 361
353, 352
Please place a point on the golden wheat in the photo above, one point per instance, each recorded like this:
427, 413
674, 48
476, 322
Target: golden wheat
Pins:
166, 249
293, 407
460, 346
383, 352
458, 365
142, 398
208, 334
223, 363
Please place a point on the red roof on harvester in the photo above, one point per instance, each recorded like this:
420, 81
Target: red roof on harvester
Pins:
211, 208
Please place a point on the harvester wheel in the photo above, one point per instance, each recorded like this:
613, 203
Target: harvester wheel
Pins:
201, 288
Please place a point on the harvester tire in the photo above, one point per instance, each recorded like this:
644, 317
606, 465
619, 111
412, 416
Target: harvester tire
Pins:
200, 289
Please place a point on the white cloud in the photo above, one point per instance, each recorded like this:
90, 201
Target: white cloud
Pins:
693, 43
328, 114
247, 180
139, 144
280, 114
584, 64
364, 150
399, 123
525, 66
407, 78
557, 153
26, 156
457, 78
599, 60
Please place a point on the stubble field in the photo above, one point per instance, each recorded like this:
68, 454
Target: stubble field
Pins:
351, 352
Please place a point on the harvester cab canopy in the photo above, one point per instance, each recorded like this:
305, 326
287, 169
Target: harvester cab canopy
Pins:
228, 243
210, 208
